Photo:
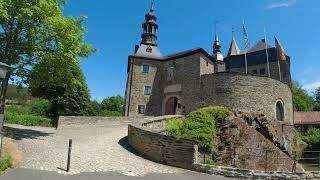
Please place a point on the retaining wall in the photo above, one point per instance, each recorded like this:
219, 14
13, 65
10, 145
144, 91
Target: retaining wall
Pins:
183, 153
163, 149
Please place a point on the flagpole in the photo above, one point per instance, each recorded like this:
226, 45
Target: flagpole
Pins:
279, 67
268, 64
246, 44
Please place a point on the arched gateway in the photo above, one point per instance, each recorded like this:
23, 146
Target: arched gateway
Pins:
172, 106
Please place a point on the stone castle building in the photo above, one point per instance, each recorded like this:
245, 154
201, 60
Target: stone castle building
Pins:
179, 83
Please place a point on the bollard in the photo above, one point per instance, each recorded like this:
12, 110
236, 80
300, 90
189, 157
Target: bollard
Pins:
69, 155
234, 157
266, 160
294, 162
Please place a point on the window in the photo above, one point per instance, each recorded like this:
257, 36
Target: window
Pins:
255, 71
207, 63
149, 49
263, 71
147, 90
145, 68
141, 109
280, 111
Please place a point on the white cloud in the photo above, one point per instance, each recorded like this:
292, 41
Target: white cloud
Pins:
281, 4
310, 87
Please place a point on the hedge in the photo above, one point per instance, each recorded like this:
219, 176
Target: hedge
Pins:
26, 119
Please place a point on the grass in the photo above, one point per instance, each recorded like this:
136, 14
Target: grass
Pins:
311, 168
5, 164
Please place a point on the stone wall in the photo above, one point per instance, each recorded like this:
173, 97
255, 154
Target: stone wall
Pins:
246, 93
72, 121
183, 153
163, 149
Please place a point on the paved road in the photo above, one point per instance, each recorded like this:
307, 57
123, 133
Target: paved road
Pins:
19, 174
95, 149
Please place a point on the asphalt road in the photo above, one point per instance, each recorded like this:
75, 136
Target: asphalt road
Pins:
27, 174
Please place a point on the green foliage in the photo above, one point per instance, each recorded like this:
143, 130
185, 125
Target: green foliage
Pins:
312, 138
301, 100
18, 95
63, 84
174, 126
40, 107
27, 119
19, 109
107, 113
44, 48
33, 31
316, 106
113, 103
201, 126
4, 165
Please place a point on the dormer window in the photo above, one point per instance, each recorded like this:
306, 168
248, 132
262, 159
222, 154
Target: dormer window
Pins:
149, 49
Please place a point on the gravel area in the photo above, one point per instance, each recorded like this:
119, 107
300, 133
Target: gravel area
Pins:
95, 149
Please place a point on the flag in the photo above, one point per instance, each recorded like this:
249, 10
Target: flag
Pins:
281, 53
245, 36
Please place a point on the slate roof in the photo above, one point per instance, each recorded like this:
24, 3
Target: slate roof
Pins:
261, 45
234, 48
175, 55
301, 118
154, 54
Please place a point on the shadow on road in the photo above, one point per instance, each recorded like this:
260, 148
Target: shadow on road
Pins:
20, 134
125, 144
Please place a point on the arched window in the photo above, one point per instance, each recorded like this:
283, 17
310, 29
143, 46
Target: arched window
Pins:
280, 111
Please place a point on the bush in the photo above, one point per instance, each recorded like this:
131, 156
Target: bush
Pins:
312, 138
5, 164
173, 127
18, 109
26, 119
107, 113
201, 126
41, 107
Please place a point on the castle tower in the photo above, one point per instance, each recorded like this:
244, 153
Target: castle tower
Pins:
218, 64
234, 48
216, 49
148, 46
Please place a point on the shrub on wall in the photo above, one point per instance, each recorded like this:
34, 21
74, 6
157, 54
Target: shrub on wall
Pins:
201, 126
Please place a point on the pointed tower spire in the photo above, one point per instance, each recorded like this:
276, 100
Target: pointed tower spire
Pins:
216, 49
152, 6
234, 48
150, 28
148, 45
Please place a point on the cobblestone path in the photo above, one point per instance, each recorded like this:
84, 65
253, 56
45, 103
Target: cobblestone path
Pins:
95, 149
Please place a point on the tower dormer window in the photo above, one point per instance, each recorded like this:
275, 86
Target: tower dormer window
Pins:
149, 49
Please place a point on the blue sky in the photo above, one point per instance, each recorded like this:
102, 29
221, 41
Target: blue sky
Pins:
114, 27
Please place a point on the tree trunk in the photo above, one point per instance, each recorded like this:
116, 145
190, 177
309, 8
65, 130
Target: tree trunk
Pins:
4, 86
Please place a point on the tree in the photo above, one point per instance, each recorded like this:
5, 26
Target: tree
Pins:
316, 106
63, 84
312, 138
301, 100
113, 103
33, 31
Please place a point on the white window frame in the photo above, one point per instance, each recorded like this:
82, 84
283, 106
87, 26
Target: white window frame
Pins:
145, 64
144, 88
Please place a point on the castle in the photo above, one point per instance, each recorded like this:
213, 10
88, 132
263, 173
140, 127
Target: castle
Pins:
179, 83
